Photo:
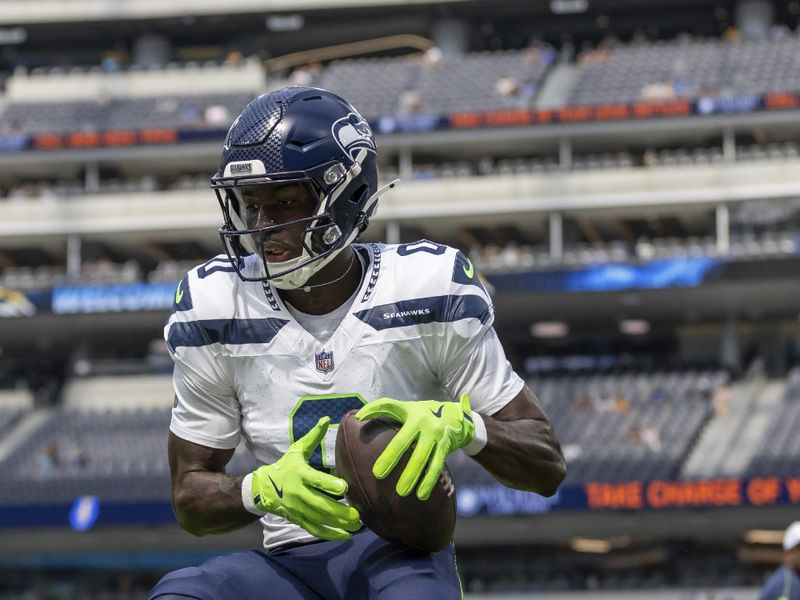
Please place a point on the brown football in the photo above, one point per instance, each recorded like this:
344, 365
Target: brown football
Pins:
422, 525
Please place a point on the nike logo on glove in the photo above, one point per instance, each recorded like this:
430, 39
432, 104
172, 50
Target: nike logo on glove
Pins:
278, 490
437, 413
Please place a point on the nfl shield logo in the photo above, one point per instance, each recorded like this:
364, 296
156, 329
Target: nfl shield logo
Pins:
324, 361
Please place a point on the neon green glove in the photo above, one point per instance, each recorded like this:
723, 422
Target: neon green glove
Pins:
296, 491
437, 428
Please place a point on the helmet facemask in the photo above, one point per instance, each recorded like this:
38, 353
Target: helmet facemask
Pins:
336, 188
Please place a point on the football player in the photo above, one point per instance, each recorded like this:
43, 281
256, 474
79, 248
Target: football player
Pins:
297, 324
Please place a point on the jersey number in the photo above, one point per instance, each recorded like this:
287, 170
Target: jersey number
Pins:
310, 409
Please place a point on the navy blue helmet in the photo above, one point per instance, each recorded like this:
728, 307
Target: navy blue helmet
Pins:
298, 135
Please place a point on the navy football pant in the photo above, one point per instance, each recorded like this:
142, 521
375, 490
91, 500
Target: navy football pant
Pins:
364, 568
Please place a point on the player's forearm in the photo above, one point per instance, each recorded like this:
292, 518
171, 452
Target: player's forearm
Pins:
207, 503
523, 454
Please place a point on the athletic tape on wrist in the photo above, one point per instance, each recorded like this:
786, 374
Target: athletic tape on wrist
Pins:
247, 496
479, 440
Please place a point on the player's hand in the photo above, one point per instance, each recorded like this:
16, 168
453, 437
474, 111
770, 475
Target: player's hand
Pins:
296, 491
437, 428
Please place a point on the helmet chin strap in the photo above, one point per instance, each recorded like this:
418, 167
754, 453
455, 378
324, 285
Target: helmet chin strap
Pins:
308, 288
295, 279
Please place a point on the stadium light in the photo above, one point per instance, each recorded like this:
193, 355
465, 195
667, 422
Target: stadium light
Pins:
549, 329
764, 536
634, 326
294, 22
569, 7
590, 546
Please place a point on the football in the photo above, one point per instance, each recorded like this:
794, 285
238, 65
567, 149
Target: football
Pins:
427, 525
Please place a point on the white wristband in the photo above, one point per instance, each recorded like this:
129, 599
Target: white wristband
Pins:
479, 440
247, 496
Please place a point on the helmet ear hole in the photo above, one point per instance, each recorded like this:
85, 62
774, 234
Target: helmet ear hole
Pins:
358, 195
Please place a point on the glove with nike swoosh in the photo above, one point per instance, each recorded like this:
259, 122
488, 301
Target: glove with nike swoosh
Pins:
437, 429
294, 490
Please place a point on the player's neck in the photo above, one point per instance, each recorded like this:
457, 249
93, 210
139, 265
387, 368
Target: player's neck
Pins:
330, 288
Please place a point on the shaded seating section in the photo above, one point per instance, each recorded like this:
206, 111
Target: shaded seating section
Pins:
373, 85
779, 453
630, 426
620, 427
480, 81
687, 69
209, 111
442, 84
118, 455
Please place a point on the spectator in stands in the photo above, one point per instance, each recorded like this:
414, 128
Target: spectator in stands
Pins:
540, 52
507, 86
432, 57
77, 459
410, 102
634, 435
6, 185
621, 404
234, 58
572, 452
663, 90
784, 584
306, 74
216, 115
517, 94
48, 460
110, 64
301, 354
651, 437
721, 400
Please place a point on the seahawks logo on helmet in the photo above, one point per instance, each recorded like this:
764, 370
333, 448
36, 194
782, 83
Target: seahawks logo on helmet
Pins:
352, 133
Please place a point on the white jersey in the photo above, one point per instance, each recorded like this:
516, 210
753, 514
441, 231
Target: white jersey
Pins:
420, 328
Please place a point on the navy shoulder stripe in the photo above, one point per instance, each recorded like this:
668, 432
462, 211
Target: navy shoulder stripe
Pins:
435, 309
464, 272
183, 296
223, 331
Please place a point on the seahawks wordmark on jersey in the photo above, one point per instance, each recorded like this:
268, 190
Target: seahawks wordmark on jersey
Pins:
420, 328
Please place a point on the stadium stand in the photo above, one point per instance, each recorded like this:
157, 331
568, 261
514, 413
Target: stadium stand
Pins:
67, 188
633, 426
108, 438
490, 258
747, 245
130, 114
620, 427
422, 84
437, 84
687, 69
779, 451
389, 78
